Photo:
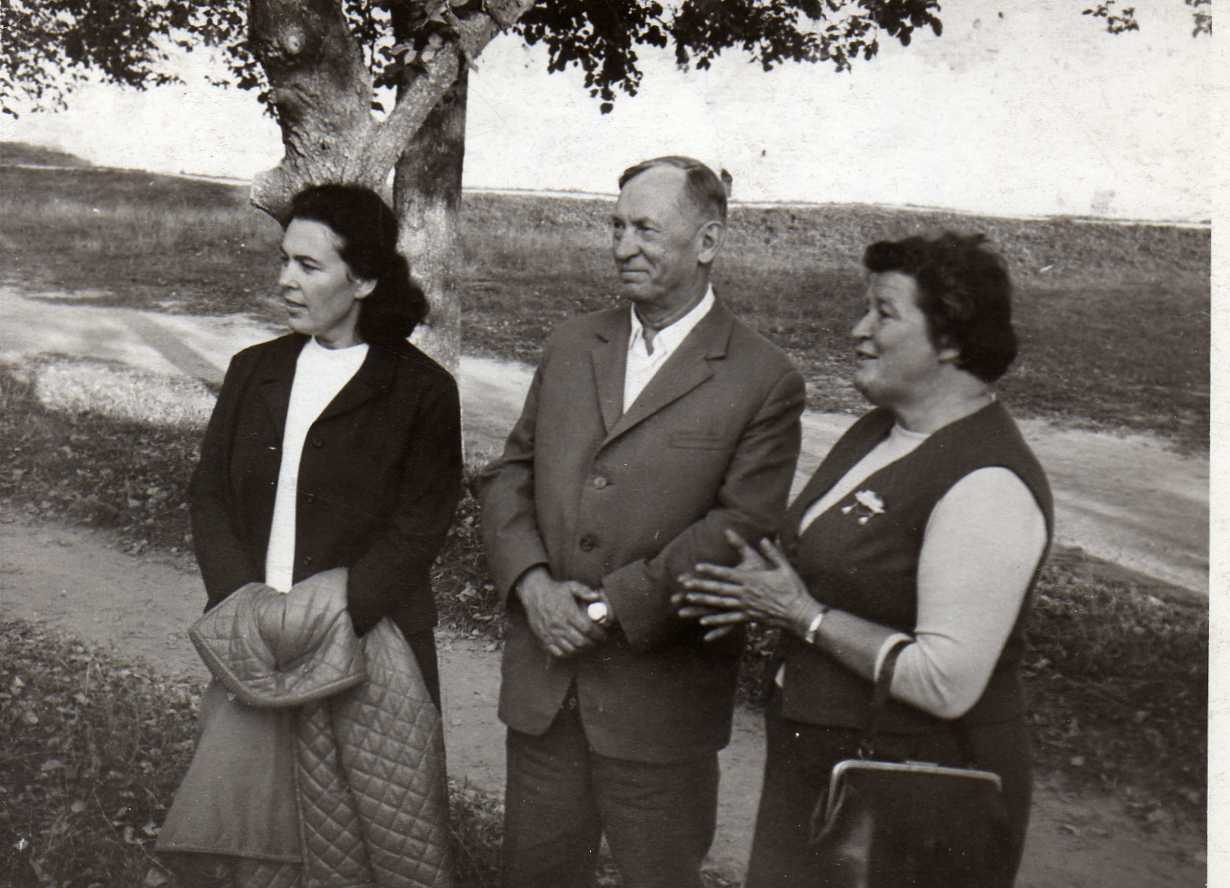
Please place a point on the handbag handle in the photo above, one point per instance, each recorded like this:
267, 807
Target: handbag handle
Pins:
879, 699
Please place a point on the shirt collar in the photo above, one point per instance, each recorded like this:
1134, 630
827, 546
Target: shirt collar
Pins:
669, 337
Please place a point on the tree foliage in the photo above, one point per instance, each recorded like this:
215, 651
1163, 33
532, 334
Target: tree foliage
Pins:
602, 37
50, 48
1121, 20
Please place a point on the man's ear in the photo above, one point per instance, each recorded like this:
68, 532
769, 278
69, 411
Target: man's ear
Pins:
712, 234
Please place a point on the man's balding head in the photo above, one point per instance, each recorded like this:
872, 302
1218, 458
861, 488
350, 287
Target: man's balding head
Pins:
702, 186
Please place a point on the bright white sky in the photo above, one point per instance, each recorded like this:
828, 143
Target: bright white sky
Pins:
1020, 108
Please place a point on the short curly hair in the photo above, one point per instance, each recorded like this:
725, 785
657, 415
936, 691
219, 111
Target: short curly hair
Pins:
965, 293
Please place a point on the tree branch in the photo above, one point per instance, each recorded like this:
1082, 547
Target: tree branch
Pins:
390, 138
421, 95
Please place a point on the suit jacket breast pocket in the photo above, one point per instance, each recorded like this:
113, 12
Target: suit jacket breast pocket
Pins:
699, 439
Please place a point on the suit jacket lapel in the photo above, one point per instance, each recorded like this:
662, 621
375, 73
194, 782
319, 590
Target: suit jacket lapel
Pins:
683, 371
610, 360
275, 381
374, 375
278, 375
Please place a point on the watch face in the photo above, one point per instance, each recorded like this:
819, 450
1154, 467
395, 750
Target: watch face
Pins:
597, 611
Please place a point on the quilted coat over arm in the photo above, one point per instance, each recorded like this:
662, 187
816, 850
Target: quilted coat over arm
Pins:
368, 784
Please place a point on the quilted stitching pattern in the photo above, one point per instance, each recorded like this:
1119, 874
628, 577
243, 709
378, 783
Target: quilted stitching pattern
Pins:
282, 651
389, 727
333, 852
370, 764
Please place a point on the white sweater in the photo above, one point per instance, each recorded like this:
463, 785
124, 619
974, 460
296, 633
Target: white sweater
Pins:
320, 373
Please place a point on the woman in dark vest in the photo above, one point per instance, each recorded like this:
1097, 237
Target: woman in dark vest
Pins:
927, 522
338, 444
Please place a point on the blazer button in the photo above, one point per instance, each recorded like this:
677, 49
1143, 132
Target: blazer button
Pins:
316, 442
309, 498
307, 560
601, 482
588, 543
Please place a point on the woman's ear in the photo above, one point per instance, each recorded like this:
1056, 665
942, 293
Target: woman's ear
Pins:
363, 288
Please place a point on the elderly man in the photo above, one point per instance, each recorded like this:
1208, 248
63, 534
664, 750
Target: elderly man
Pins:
648, 431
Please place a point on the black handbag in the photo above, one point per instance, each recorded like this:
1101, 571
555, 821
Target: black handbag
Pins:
906, 824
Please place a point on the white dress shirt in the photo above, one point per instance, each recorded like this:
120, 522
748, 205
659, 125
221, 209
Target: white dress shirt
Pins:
643, 366
320, 373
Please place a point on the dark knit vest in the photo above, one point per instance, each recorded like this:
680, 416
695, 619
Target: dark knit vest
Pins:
865, 563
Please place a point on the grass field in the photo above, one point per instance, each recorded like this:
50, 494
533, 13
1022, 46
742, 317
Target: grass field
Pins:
1114, 319
1115, 328
19, 153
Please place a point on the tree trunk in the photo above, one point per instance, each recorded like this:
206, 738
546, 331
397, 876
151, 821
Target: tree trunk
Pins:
427, 198
323, 95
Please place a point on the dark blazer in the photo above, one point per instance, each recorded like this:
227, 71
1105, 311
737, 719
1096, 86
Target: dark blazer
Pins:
379, 479
628, 501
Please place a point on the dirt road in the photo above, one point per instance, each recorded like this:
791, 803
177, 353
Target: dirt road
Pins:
77, 581
1123, 499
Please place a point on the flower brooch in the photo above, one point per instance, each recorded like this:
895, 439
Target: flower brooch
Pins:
867, 504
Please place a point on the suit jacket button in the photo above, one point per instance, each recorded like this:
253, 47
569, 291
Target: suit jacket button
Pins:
307, 560
601, 482
316, 442
309, 498
588, 543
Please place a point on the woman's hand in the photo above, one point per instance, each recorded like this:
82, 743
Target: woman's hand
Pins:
762, 587
722, 620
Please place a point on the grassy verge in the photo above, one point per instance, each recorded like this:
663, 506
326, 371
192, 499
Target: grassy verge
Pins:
1118, 671
1114, 319
93, 750
87, 468
1118, 679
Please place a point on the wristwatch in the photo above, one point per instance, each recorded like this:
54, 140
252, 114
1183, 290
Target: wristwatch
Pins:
599, 612
814, 626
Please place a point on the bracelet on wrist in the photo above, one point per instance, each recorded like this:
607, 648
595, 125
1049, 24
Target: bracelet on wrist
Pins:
809, 635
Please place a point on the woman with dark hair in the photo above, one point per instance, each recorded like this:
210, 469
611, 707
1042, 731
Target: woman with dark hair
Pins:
330, 471
339, 444
926, 526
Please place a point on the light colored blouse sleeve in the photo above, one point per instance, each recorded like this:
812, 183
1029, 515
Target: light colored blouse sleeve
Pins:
980, 549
